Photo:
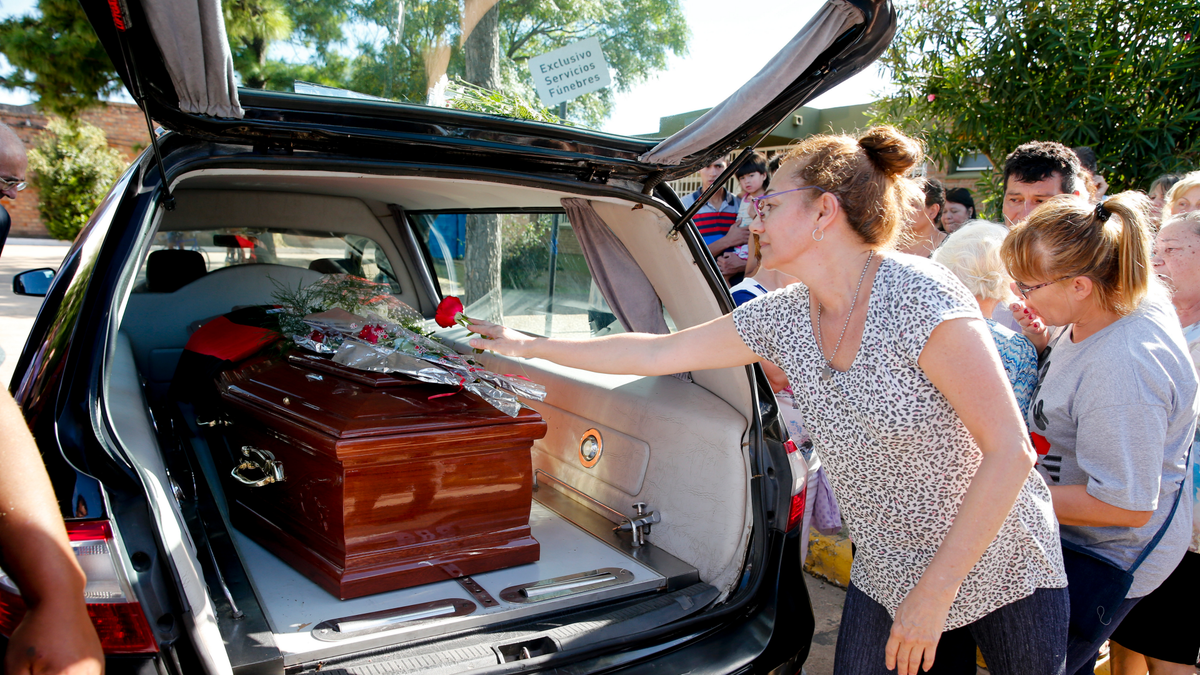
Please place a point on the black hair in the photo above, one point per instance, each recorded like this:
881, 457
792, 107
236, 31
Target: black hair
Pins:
1037, 160
773, 165
756, 164
1087, 158
935, 193
962, 196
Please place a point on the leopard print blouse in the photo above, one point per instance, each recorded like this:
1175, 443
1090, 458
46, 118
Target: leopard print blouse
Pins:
896, 453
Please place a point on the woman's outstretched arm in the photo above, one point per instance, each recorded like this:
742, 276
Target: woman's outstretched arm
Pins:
715, 344
960, 359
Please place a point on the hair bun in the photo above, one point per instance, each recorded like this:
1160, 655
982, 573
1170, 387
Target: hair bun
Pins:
890, 151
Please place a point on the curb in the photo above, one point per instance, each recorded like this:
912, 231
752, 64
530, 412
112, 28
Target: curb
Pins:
829, 557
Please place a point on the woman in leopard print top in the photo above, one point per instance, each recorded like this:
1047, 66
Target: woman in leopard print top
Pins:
906, 400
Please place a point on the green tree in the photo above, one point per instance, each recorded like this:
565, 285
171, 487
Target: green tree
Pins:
1122, 76
392, 42
385, 48
73, 168
251, 26
637, 37
58, 58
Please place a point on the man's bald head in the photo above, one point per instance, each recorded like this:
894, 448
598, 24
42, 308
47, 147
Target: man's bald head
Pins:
13, 162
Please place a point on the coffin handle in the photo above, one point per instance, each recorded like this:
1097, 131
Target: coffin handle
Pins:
261, 461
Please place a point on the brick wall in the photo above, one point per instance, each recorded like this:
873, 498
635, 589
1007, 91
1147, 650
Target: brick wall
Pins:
123, 123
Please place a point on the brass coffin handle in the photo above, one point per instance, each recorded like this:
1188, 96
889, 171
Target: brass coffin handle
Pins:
262, 461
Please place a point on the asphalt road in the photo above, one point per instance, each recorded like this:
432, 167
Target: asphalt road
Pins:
17, 313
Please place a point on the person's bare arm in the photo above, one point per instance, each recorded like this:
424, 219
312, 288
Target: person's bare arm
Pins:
1074, 506
961, 361
736, 236
56, 635
715, 344
775, 376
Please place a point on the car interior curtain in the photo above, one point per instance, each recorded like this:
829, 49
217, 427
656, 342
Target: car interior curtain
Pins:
833, 19
191, 36
621, 281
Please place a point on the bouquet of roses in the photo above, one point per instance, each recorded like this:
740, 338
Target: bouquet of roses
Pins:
367, 331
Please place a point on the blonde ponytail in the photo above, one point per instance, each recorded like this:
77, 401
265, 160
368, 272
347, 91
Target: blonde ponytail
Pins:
1132, 210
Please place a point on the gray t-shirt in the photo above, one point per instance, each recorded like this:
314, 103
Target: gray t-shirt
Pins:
1116, 412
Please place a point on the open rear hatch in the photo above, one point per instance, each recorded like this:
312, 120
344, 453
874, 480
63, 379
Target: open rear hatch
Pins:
174, 58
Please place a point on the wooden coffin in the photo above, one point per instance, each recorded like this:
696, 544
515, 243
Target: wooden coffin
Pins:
385, 484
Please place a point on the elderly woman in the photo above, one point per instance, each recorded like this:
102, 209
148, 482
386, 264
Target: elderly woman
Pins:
1114, 413
1162, 632
1183, 196
906, 401
973, 254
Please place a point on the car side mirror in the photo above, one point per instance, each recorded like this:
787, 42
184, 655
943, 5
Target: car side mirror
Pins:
33, 282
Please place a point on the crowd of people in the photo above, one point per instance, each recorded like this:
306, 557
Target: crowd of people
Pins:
1005, 411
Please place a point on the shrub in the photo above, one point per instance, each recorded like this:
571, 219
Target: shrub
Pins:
73, 168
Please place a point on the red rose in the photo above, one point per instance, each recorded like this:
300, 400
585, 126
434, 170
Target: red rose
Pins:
448, 310
372, 334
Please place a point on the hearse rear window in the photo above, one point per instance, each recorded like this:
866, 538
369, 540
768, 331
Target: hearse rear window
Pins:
544, 288
177, 257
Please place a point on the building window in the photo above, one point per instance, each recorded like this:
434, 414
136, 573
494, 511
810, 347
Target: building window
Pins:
976, 162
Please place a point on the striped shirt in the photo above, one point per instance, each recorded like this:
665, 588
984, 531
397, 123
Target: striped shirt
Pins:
714, 223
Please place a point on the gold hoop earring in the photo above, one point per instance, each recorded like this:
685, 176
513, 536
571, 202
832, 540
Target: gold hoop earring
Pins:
815, 237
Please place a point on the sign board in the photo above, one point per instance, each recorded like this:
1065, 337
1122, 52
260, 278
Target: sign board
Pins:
570, 72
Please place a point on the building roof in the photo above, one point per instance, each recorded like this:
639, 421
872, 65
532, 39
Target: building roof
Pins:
802, 123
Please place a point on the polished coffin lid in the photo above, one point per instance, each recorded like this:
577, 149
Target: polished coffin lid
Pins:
346, 404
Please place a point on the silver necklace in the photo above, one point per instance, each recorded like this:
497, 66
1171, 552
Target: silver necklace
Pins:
827, 369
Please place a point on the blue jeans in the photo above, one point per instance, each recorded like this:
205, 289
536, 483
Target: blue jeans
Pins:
1026, 637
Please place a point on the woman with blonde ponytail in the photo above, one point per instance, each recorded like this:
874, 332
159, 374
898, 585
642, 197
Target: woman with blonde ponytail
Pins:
1114, 413
906, 401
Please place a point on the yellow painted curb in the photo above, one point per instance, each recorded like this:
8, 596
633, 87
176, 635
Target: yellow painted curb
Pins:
829, 557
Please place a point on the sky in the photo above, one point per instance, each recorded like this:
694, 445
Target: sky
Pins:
719, 60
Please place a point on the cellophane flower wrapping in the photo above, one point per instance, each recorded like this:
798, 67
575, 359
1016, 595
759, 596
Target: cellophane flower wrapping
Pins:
363, 326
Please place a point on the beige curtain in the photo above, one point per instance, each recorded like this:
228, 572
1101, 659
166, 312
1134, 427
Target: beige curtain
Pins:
624, 286
191, 36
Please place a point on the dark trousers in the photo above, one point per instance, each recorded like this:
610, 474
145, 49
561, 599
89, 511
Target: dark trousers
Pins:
1082, 653
1026, 637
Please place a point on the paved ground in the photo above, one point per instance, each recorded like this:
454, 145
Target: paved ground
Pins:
827, 602
17, 313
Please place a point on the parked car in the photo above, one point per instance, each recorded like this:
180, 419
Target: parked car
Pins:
222, 211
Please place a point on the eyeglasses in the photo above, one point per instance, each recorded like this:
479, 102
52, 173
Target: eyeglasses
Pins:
764, 211
1026, 290
10, 183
